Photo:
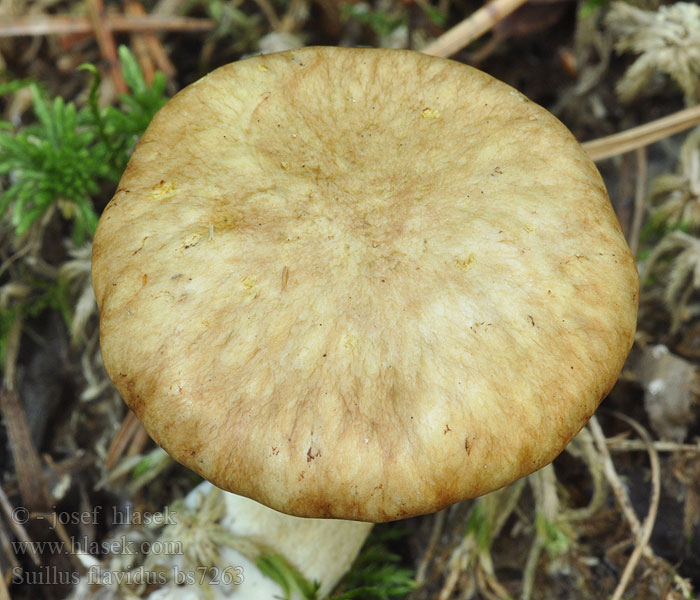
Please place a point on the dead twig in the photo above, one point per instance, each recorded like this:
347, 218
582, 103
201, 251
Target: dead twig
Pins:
70, 25
624, 501
31, 482
138, 442
126, 434
614, 480
16, 520
622, 445
438, 526
583, 448
544, 489
267, 9
138, 43
638, 137
7, 550
489, 586
152, 42
27, 463
646, 529
4, 593
297, 11
459, 562
108, 47
471, 28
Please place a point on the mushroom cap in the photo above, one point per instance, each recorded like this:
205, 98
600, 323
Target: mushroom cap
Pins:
361, 284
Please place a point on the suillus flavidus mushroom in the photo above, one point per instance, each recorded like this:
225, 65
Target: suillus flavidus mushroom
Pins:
361, 284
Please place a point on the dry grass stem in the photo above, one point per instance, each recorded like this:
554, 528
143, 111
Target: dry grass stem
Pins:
623, 445
459, 561
118, 448
138, 442
638, 530
543, 484
471, 28
71, 25
529, 571
17, 527
438, 525
152, 43
11, 353
472, 556
489, 587
23, 251
648, 525
138, 44
583, 448
638, 137
267, 9
7, 549
296, 14
27, 462
28, 466
107, 45
121, 469
614, 479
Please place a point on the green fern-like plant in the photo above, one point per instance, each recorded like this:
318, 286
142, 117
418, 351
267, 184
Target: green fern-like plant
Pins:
55, 161
278, 568
382, 23
377, 573
62, 159
121, 127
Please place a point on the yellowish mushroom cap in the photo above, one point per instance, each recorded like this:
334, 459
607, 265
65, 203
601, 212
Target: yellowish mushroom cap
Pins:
361, 284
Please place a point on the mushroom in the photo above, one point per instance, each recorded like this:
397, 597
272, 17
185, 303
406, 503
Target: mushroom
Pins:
361, 284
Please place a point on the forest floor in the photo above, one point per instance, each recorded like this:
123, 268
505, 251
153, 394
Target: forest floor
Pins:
622, 517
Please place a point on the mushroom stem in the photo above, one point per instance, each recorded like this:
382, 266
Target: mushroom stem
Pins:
233, 540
